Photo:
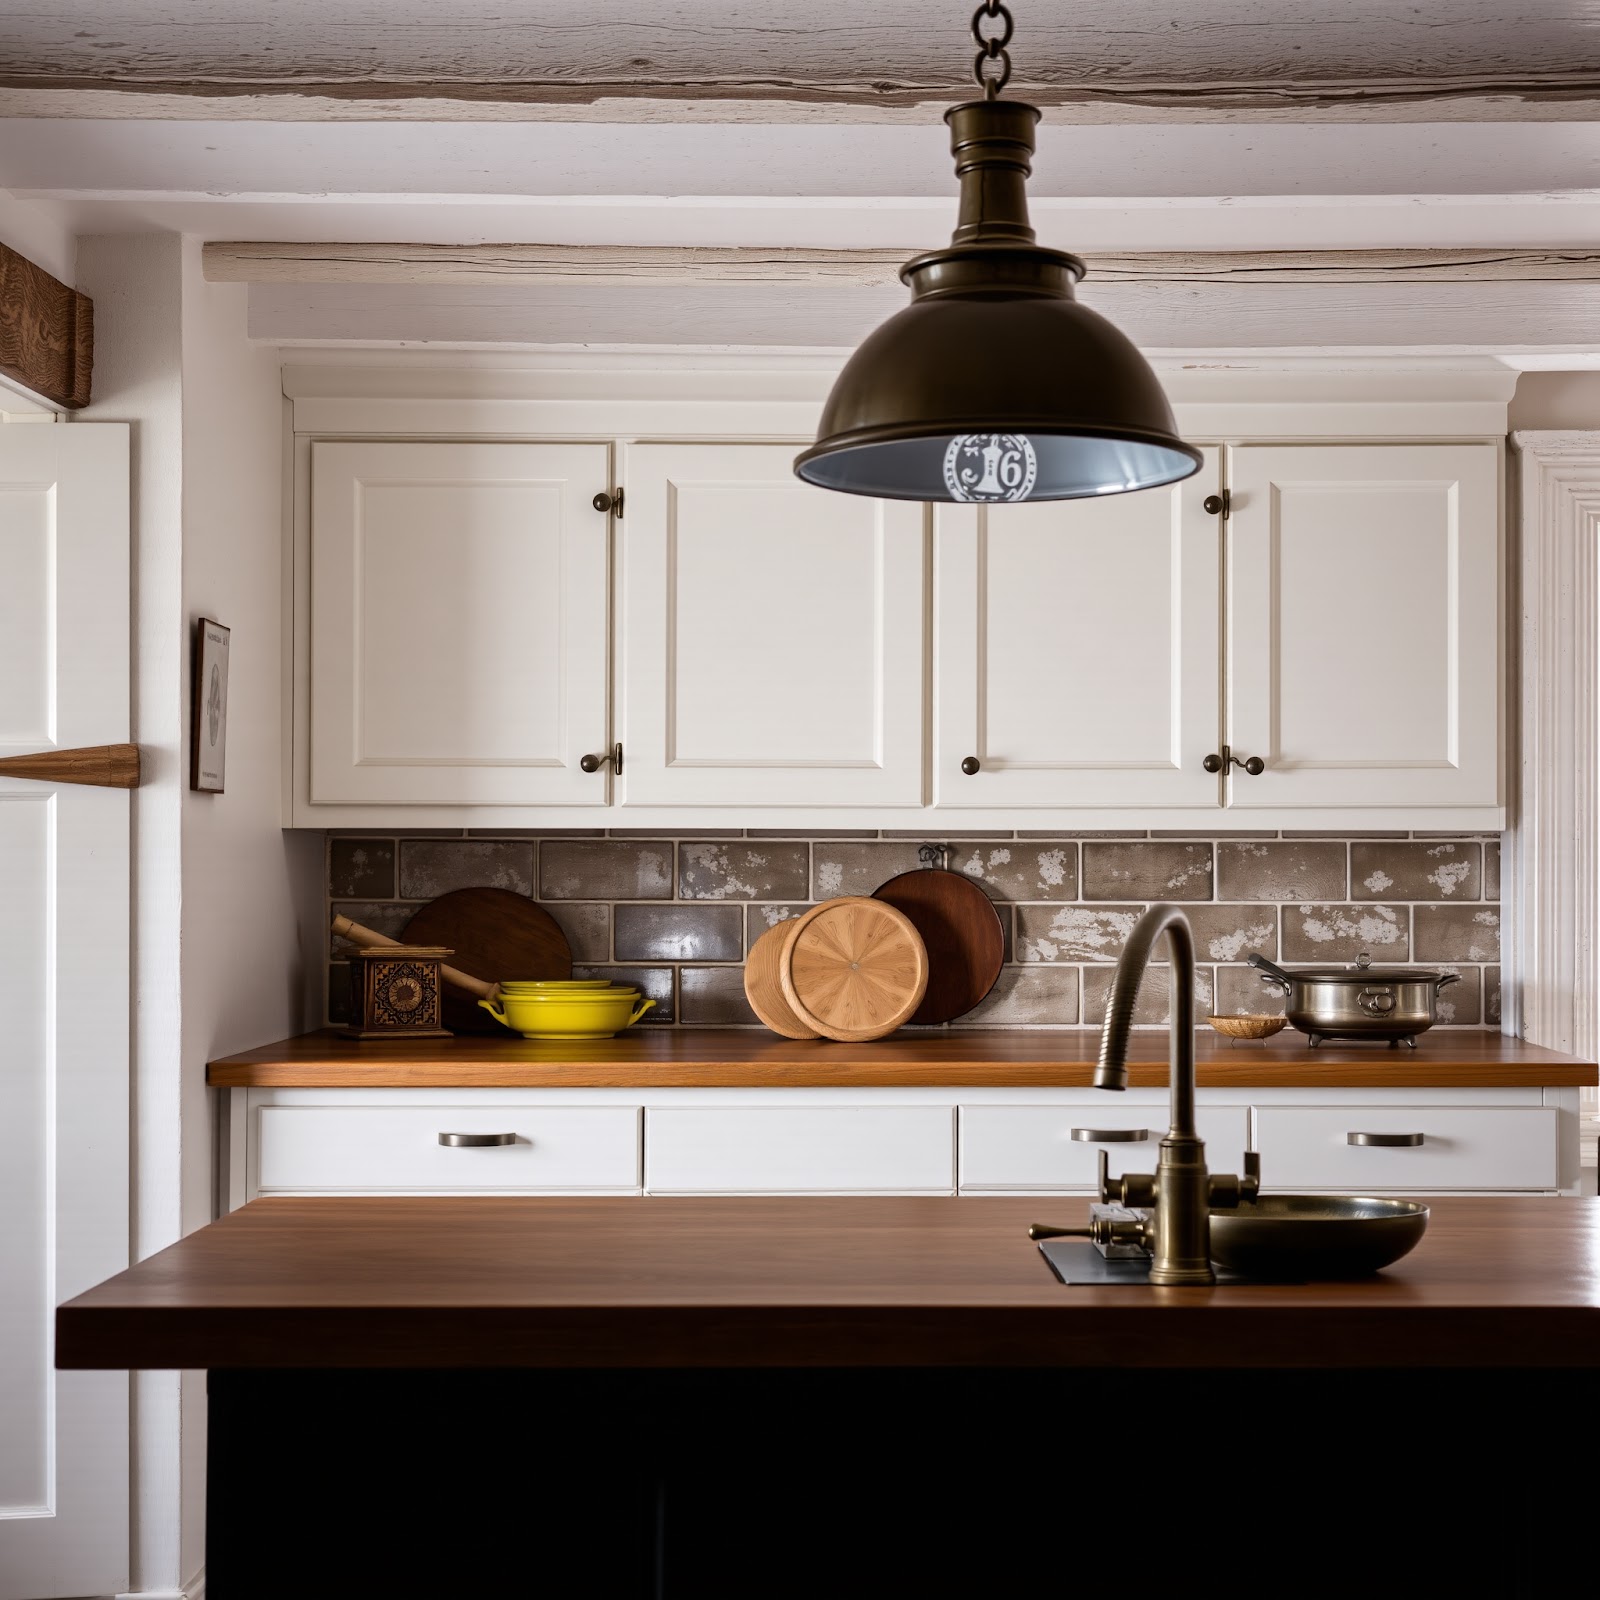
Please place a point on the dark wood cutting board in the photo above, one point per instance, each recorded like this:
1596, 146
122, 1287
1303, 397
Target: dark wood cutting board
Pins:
961, 928
495, 935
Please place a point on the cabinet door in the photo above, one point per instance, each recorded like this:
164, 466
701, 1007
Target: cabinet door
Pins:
458, 623
1363, 632
1076, 650
771, 634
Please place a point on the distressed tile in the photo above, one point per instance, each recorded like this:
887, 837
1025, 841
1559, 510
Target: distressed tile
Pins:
1147, 871
947, 836
1337, 934
1241, 993
1458, 933
743, 869
1211, 833
411, 833
361, 869
1098, 933
1082, 833
1491, 870
811, 833
839, 869
605, 869
677, 833
1444, 869
713, 997
1041, 997
338, 992
1154, 989
656, 982
536, 833
1257, 870
1491, 995
1345, 833
679, 933
430, 867
757, 919
1018, 871
587, 926
382, 916
1461, 1005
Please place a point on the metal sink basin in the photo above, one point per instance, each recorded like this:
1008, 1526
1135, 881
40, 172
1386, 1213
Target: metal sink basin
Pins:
1312, 1236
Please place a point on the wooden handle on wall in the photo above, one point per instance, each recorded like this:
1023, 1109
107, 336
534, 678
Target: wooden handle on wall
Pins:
372, 940
100, 766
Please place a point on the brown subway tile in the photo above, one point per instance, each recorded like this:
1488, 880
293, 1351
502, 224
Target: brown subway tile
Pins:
1017, 871
1491, 996
1098, 933
605, 869
1461, 1004
1154, 989
840, 869
587, 925
759, 918
1147, 871
713, 997
948, 835
536, 833
411, 833
1251, 870
1082, 833
656, 982
1241, 993
1458, 933
1491, 870
430, 867
1342, 833
679, 933
1337, 934
1444, 869
387, 917
811, 833
676, 833
1213, 833
1044, 997
743, 869
361, 869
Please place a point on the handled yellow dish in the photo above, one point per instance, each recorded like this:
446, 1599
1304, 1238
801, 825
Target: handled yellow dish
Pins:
577, 1014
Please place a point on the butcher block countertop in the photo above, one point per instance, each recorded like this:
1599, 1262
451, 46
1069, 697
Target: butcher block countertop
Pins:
477, 1282
711, 1058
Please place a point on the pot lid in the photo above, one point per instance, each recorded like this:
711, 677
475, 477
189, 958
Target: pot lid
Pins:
1362, 968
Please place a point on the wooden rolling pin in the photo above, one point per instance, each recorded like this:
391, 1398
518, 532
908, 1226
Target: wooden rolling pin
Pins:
372, 940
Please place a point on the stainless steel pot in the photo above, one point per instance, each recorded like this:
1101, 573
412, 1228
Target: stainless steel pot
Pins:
1359, 1002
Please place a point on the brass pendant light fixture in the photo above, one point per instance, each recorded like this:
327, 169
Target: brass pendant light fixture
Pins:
994, 384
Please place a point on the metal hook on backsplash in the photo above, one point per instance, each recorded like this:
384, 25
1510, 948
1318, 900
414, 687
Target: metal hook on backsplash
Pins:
934, 855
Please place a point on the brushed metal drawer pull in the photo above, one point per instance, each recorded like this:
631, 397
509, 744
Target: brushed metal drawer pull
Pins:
1384, 1138
473, 1141
1111, 1135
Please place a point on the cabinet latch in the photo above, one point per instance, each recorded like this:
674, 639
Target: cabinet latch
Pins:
1218, 505
609, 502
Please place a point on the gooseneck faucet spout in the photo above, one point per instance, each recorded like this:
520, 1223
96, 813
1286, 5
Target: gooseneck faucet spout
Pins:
1181, 1191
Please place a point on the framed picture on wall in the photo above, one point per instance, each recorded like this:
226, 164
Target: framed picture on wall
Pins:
208, 748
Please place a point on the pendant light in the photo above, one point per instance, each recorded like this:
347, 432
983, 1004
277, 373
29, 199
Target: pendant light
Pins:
994, 384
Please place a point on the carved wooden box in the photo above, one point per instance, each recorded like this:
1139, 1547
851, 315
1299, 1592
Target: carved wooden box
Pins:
395, 993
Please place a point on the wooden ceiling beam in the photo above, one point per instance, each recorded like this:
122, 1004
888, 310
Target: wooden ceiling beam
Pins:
46, 332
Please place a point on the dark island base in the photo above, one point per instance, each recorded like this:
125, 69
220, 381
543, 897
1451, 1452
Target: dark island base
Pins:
989, 1484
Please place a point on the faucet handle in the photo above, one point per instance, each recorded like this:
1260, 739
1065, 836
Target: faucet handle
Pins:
1224, 1191
1131, 1189
1250, 1183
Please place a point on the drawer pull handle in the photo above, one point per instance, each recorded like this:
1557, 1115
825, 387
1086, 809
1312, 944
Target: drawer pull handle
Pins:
1111, 1135
1386, 1139
474, 1141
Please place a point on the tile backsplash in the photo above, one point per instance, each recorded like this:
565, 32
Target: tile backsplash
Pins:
675, 913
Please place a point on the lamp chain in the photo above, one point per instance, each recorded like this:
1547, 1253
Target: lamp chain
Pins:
992, 47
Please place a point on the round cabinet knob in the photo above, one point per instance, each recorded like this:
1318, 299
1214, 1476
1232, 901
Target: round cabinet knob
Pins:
602, 502
1211, 505
589, 763
1212, 763
1255, 766
971, 765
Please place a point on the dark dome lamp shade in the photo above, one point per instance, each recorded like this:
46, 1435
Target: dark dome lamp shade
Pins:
994, 384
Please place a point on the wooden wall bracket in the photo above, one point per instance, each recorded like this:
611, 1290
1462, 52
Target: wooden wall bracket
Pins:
101, 766
46, 332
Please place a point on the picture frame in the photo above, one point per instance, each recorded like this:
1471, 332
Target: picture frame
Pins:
208, 743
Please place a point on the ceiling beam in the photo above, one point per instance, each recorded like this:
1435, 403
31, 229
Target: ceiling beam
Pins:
46, 332
608, 266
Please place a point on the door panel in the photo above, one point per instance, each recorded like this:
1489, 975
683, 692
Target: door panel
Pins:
1363, 648
1077, 650
64, 682
458, 623
771, 632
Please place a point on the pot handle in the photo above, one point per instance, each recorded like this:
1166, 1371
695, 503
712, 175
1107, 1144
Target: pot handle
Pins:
1447, 980
1270, 973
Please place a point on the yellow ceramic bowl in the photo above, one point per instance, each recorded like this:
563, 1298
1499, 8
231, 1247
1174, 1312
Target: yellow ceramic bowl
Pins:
530, 985
578, 1014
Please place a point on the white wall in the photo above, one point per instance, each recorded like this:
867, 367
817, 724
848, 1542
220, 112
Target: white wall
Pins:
33, 229
1560, 400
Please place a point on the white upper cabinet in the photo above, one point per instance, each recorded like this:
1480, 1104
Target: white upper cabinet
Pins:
771, 635
1076, 650
1363, 625
458, 623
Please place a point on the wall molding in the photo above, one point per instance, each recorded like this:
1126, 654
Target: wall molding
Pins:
1554, 887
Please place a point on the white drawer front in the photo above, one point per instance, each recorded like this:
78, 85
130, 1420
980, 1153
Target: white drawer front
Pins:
798, 1150
396, 1148
1032, 1147
1462, 1148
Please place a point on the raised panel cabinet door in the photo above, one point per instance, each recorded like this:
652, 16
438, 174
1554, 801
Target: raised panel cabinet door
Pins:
771, 634
1363, 624
1076, 650
459, 619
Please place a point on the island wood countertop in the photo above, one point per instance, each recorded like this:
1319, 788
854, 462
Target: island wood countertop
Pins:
723, 1058
476, 1282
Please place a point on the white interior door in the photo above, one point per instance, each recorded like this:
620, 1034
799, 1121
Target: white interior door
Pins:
458, 623
64, 681
1363, 624
1076, 652
771, 634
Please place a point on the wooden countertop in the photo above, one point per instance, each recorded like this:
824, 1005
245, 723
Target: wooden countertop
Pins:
551, 1283
714, 1058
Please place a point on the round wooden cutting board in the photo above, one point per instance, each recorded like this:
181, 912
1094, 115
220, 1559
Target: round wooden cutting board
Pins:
962, 931
853, 968
495, 935
764, 989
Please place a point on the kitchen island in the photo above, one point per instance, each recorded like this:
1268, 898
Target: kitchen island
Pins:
851, 1396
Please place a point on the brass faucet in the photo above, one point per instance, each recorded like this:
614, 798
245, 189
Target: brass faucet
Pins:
1181, 1191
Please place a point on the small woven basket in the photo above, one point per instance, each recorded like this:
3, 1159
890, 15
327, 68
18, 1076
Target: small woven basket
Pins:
1252, 1027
